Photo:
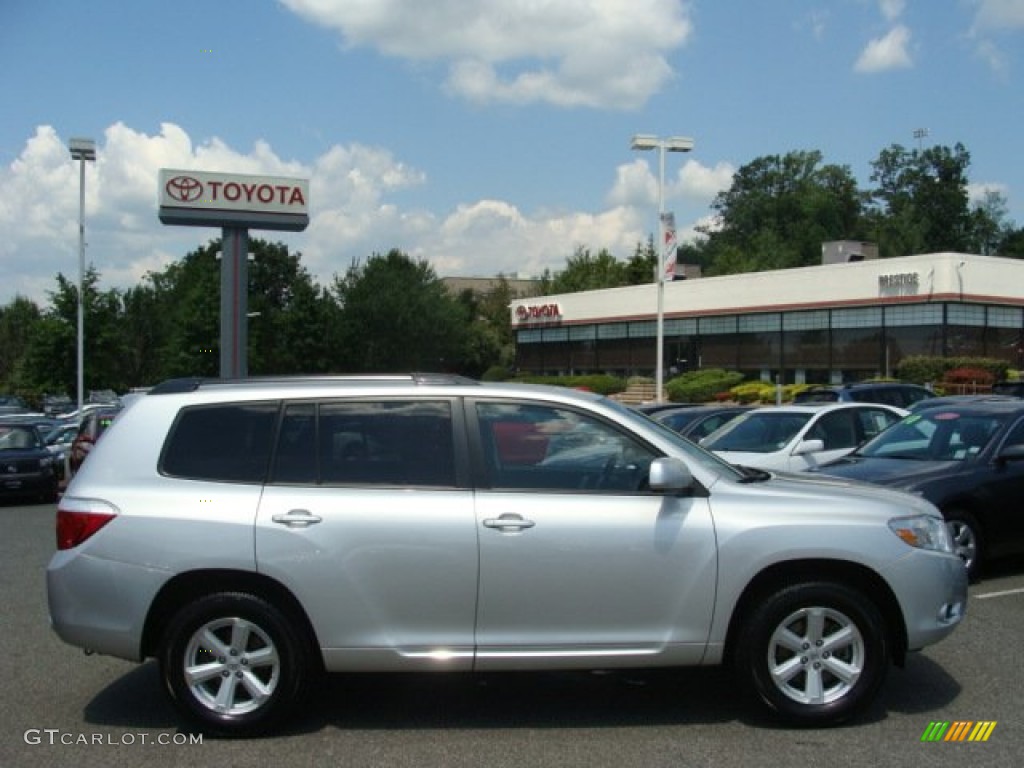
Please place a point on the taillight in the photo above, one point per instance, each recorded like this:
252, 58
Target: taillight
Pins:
77, 520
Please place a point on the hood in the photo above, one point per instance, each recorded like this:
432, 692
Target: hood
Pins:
812, 491
884, 471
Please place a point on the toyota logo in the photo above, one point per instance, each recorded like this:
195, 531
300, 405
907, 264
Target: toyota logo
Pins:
184, 189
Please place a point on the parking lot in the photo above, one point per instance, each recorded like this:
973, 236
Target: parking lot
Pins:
62, 708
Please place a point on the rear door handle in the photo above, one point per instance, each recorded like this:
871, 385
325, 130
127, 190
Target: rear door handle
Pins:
297, 518
509, 522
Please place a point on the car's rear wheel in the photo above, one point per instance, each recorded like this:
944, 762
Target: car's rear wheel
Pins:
966, 535
813, 653
234, 663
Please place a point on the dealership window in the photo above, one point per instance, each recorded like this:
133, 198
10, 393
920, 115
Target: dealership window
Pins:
965, 314
1005, 317
868, 317
613, 331
915, 314
643, 329
582, 348
681, 326
758, 342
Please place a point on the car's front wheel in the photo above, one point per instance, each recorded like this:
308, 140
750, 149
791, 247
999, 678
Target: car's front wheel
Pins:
234, 663
964, 531
813, 653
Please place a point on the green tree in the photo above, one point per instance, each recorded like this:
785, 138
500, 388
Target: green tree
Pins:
585, 271
395, 314
920, 202
777, 213
17, 323
295, 323
641, 265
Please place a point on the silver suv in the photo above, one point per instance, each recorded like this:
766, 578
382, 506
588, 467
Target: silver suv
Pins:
253, 535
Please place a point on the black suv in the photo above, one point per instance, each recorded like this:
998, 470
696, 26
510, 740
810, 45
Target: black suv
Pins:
886, 392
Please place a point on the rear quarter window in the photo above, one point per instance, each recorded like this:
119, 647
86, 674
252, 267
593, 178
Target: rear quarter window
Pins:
226, 442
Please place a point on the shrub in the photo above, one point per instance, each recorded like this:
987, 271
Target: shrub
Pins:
601, 383
701, 386
923, 369
496, 373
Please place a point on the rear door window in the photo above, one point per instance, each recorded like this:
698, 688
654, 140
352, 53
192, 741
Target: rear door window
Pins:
392, 442
229, 442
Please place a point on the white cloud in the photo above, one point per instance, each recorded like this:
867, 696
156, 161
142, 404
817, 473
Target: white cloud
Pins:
351, 212
892, 9
636, 184
999, 15
885, 53
596, 53
995, 18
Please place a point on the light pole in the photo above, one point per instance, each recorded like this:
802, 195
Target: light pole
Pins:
645, 142
81, 150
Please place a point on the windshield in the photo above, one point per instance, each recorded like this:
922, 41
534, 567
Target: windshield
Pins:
934, 435
759, 432
686, 448
18, 438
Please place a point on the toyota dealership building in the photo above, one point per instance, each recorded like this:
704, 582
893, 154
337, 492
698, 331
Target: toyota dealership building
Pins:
851, 318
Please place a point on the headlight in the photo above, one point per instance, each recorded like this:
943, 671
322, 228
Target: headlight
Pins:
923, 532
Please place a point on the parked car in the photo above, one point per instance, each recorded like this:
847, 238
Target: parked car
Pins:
1010, 388
26, 467
252, 535
900, 394
57, 405
699, 421
944, 401
968, 460
92, 426
794, 438
58, 442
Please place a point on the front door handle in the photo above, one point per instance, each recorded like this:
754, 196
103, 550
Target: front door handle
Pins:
509, 522
297, 518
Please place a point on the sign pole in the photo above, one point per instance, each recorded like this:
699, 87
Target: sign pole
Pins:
234, 302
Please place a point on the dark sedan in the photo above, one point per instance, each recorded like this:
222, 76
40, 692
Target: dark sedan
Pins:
967, 459
27, 468
697, 422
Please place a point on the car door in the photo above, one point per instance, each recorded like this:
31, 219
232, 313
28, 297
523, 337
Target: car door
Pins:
365, 520
998, 490
580, 564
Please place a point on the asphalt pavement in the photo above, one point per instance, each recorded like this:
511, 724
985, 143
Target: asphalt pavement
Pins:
62, 708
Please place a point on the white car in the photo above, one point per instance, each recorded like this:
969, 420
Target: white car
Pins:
795, 438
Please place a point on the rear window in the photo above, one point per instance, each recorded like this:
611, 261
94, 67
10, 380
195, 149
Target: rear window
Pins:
816, 396
227, 442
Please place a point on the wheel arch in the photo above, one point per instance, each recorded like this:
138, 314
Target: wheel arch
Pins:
849, 574
191, 585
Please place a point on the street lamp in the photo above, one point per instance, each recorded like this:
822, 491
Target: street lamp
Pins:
81, 150
643, 142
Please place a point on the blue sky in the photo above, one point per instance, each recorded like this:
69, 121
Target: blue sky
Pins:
485, 137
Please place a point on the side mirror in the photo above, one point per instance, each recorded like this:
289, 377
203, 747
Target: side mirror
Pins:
809, 446
1011, 453
670, 474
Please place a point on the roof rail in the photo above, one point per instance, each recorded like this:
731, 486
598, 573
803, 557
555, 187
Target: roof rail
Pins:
192, 383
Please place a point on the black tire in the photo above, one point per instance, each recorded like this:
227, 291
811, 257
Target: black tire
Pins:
258, 665
967, 540
814, 654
